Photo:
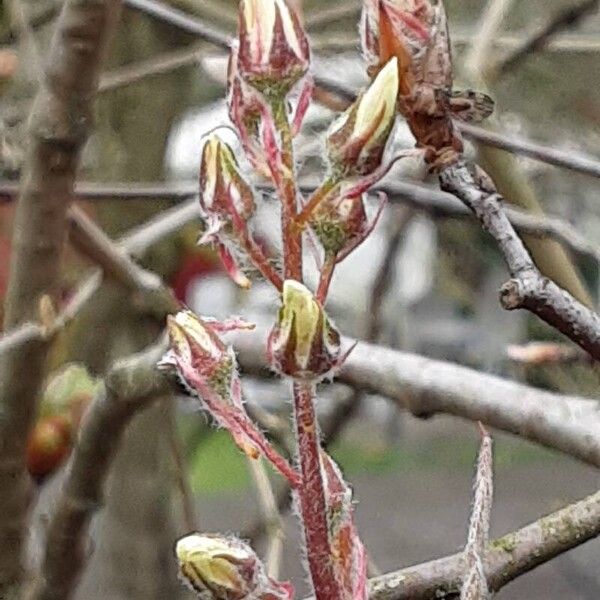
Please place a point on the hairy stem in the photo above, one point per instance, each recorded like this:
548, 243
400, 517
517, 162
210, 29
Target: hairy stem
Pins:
326, 277
292, 235
311, 495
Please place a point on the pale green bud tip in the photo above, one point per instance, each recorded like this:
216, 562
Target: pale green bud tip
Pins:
379, 101
196, 546
300, 306
213, 563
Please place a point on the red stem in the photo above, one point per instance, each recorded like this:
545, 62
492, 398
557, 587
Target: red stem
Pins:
311, 494
261, 262
326, 277
292, 234
254, 251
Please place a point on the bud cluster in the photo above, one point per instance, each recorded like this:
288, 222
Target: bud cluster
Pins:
268, 66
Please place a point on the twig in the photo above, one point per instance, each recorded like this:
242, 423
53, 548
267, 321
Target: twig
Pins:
164, 63
443, 204
138, 240
578, 43
59, 125
155, 296
270, 513
426, 387
181, 477
332, 14
528, 288
506, 559
474, 585
552, 156
130, 385
434, 201
487, 28
568, 17
119, 190
91, 241
181, 20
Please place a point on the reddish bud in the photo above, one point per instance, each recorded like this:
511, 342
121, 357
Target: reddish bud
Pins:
225, 197
208, 369
347, 551
48, 446
397, 28
273, 51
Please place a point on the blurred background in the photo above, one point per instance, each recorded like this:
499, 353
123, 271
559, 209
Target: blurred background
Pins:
424, 282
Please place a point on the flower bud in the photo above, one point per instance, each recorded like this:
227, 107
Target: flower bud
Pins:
222, 568
303, 344
356, 141
194, 344
273, 52
341, 223
225, 197
244, 103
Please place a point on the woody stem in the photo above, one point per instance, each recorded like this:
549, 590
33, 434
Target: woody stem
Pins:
311, 495
292, 235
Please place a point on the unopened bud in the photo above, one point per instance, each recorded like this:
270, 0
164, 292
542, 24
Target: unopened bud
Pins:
225, 197
357, 140
340, 223
223, 568
195, 344
273, 52
303, 344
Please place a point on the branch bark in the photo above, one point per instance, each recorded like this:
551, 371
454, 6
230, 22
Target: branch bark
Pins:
528, 288
129, 386
426, 387
59, 126
506, 559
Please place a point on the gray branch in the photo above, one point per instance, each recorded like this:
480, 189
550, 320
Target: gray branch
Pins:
426, 387
528, 288
59, 125
507, 558
129, 387
570, 16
